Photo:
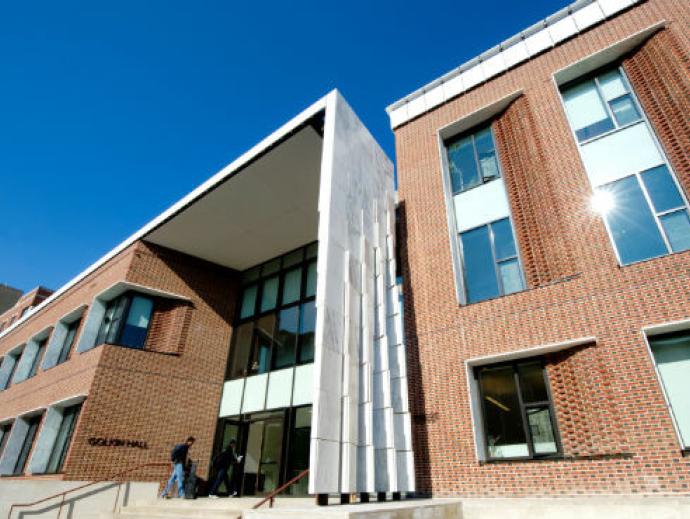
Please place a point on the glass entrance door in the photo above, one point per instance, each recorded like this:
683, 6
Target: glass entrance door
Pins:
263, 453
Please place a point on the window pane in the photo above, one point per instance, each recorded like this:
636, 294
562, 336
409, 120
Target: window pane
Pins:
292, 286
463, 165
307, 326
40, 351
480, 275
505, 435
261, 350
269, 295
240, 350
69, 341
251, 274
677, 227
624, 110
137, 324
632, 225
510, 276
662, 189
504, 243
22, 458
486, 152
532, 383
672, 355
612, 85
586, 111
311, 280
248, 301
541, 429
286, 338
62, 440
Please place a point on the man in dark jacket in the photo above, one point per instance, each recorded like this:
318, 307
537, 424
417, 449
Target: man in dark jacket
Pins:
178, 459
222, 463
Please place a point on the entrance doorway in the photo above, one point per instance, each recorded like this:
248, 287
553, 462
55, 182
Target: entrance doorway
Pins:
274, 446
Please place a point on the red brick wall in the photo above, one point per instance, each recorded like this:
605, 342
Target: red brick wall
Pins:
173, 388
616, 431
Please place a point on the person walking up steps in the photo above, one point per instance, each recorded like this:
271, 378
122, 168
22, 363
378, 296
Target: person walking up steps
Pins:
222, 464
178, 458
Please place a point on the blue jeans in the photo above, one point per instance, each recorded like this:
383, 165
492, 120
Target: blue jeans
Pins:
177, 474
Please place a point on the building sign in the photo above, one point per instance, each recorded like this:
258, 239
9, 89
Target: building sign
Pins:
117, 442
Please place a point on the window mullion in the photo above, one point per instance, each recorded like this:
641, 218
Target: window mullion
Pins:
475, 153
606, 103
499, 280
648, 198
523, 412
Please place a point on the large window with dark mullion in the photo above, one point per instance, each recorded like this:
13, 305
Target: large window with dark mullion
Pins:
276, 315
70, 415
38, 357
126, 321
68, 341
517, 411
33, 423
472, 160
4, 436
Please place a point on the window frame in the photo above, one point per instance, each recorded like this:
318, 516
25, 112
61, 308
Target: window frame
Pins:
593, 75
64, 348
514, 364
128, 295
28, 449
472, 132
6, 431
303, 264
65, 448
41, 349
496, 262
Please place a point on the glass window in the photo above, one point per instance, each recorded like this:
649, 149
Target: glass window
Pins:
68, 342
248, 301
284, 334
491, 264
269, 293
672, 356
63, 439
307, 327
639, 230
136, 326
33, 424
14, 359
4, 436
126, 321
292, 286
624, 110
472, 160
586, 111
286, 339
517, 412
38, 356
298, 455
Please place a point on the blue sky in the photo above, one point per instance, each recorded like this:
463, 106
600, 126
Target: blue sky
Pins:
111, 111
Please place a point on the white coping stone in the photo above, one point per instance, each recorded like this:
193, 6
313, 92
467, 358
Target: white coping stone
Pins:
472, 76
611, 7
433, 97
255, 393
231, 401
562, 29
279, 393
494, 65
588, 16
481, 205
538, 42
515, 54
452, 87
303, 389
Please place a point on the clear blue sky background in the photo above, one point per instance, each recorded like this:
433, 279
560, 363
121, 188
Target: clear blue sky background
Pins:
111, 111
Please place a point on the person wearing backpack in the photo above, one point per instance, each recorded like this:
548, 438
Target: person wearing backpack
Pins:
178, 459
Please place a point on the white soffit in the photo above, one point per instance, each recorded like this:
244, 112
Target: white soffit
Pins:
567, 22
243, 160
268, 208
530, 352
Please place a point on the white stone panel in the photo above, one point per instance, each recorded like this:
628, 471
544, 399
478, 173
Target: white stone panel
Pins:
255, 393
494, 65
588, 16
231, 401
433, 97
279, 391
416, 107
481, 205
453, 87
472, 76
515, 54
303, 390
611, 7
563, 29
620, 154
538, 42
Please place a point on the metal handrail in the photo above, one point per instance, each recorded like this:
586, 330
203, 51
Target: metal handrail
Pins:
90, 483
270, 497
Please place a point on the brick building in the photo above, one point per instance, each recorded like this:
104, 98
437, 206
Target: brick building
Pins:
542, 234
544, 222
16, 304
253, 309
